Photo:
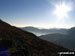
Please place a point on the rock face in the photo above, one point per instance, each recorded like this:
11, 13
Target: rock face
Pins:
24, 43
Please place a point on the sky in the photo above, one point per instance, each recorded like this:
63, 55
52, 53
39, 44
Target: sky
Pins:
37, 13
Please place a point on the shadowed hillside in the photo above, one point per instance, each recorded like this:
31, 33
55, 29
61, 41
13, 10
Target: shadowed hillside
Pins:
25, 43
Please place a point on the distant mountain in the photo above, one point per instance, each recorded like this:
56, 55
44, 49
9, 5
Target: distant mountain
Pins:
22, 43
67, 41
53, 37
72, 32
39, 32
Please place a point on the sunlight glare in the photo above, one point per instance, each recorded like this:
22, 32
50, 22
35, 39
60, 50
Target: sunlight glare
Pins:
62, 11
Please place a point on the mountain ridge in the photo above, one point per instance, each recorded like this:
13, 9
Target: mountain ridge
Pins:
61, 39
27, 44
39, 32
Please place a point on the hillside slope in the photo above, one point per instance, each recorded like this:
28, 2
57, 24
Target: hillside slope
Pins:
23, 43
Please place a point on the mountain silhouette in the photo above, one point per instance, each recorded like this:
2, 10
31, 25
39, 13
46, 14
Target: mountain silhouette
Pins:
40, 32
22, 43
67, 41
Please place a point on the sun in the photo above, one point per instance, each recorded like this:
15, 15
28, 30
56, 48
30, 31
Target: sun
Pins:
62, 11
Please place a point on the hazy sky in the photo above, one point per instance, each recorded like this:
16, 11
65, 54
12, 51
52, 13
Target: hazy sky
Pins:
37, 13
